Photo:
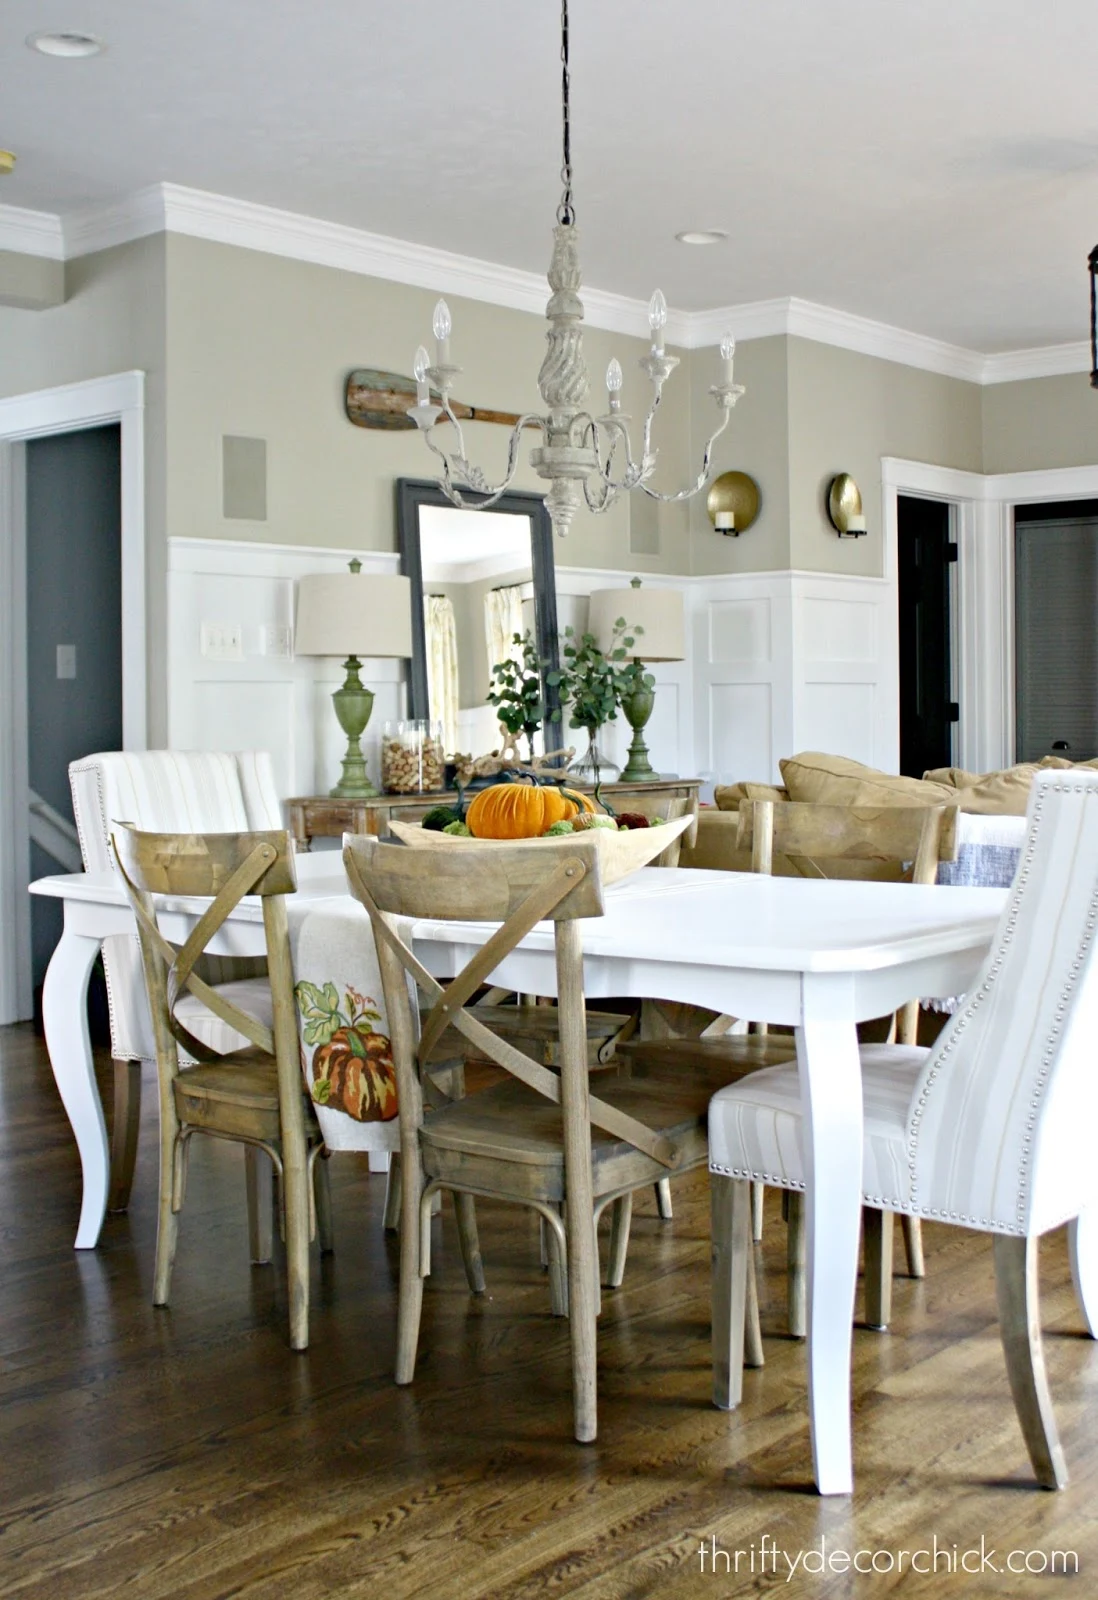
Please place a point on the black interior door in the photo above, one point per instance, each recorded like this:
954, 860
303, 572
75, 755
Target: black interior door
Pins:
927, 712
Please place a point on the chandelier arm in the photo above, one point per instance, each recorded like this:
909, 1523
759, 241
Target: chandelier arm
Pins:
619, 434
685, 494
474, 480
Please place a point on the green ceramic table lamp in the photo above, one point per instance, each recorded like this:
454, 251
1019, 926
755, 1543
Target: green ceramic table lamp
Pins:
657, 617
352, 615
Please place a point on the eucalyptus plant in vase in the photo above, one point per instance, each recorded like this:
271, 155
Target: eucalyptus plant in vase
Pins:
516, 691
593, 683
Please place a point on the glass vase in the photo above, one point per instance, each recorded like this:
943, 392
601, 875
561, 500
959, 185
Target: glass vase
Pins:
593, 766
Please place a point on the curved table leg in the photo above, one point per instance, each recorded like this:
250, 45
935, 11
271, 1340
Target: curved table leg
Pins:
1083, 1251
65, 1014
831, 1094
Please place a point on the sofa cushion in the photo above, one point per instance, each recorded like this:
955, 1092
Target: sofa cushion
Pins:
728, 795
839, 781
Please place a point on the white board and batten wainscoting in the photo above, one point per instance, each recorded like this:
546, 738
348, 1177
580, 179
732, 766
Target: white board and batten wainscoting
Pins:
777, 662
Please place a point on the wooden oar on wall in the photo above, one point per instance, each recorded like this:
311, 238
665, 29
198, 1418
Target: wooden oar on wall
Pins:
381, 400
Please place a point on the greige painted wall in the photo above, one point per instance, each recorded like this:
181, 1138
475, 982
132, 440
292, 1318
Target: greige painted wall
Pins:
846, 411
756, 441
261, 346
30, 282
112, 320
1044, 422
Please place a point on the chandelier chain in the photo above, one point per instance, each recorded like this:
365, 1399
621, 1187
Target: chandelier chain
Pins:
566, 214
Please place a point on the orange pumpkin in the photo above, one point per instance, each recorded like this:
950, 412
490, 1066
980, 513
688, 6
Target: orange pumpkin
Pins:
522, 810
354, 1073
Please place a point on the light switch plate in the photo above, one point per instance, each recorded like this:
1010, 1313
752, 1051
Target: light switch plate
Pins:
222, 641
66, 661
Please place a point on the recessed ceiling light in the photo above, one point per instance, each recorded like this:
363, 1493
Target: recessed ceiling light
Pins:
702, 236
65, 44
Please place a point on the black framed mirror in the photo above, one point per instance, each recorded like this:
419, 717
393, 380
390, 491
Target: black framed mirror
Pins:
462, 555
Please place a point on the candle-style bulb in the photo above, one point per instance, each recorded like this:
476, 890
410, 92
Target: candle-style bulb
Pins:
422, 362
657, 311
442, 325
728, 347
614, 378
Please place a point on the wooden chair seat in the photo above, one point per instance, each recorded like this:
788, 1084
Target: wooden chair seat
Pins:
238, 1095
737, 1053
472, 1139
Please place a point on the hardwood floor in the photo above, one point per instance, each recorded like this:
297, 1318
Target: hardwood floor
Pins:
189, 1453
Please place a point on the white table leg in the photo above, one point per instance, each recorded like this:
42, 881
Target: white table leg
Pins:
65, 1014
831, 1092
1083, 1252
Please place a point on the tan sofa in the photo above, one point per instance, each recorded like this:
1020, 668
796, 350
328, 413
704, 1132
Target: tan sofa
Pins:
837, 780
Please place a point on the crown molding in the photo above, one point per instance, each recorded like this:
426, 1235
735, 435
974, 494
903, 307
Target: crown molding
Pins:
172, 208
1047, 361
31, 233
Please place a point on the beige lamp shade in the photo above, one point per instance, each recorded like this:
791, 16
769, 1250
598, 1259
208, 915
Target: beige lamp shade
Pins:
658, 611
353, 614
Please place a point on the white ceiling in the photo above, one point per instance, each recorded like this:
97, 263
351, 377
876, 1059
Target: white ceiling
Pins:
929, 163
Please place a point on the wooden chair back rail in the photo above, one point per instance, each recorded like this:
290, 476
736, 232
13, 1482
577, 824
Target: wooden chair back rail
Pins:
180, 975
923, 835
448, 1010
451, 886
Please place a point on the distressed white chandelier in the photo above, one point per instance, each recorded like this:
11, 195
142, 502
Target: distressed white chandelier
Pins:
583, 455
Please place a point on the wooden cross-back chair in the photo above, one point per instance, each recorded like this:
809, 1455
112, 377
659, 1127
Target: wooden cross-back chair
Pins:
821, 841
254, 1096
541, 1139
897, 843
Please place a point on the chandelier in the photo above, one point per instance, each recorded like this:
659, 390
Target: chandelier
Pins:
583, 457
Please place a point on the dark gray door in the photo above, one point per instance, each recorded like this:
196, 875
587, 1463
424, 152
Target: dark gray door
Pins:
927, 711
1056, 632
74, 629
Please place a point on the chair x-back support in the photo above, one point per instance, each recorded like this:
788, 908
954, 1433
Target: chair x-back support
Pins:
170, 791
254, 1096
992, 1129
527, 1141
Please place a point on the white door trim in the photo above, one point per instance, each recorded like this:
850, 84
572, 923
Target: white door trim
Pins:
985, 534
118, 398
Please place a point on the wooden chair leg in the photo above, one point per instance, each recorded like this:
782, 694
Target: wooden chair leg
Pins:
620, 1218
758, 1193
752, 1331
391, 1221
1020, 1327
1083, 1253
466, 1209
796, 1270
877, 1235
557, 1262
322, 1193
583, 1261
259, 1180
730, 1206
410, 1298
663, 1199
124, 1132
913, 1246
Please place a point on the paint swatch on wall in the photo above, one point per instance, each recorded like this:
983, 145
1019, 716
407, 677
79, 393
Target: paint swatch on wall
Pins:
243, 478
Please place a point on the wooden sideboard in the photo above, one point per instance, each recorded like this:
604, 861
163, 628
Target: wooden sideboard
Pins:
319, 816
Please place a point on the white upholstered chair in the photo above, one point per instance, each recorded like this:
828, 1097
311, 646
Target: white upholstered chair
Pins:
992, 1129
170, 791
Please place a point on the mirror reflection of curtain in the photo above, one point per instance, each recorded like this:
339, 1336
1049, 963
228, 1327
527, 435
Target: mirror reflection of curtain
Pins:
442, 666
502, 620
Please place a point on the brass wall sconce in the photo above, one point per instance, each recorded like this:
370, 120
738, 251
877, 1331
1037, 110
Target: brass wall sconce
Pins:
733, 503
844, 507
7, 161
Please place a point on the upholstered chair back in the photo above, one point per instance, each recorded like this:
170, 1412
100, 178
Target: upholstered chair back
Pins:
1002, 1124
163, 791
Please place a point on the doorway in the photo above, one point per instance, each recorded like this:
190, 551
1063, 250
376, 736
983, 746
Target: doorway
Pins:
926, 557
1056, 648
74, 644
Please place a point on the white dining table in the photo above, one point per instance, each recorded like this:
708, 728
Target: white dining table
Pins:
818, 955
